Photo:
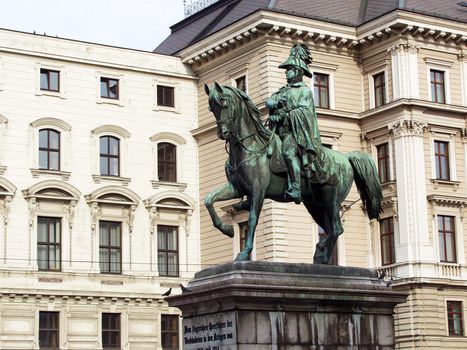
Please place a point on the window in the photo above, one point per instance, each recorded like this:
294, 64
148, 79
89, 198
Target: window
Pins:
49, 149
110, 331
243, 229
455, 320
109, 156
442, 160
240, 83
383, 161
437, 86
110, 247
167, 243
447, 238
165, 96
167, 162
49, 330
50, 80
380, 89
169, 332
333, 260
388, 255
109, 88
48, 244
321, 90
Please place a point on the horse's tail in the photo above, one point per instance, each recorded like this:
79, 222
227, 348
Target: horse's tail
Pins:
367, 181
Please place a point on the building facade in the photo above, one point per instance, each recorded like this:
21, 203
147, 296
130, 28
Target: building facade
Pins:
390, 78
98, 194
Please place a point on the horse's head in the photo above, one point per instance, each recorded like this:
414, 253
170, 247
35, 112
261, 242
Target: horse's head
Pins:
221, 104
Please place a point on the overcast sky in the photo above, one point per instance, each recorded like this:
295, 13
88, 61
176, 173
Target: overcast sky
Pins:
138, 24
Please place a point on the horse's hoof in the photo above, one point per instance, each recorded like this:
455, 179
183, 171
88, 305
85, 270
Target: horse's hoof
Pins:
243, 257
228, 230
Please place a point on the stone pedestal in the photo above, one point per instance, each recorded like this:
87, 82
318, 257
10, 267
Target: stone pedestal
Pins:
279, 306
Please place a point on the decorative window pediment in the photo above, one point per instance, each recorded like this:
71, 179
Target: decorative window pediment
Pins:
113, 195
111, 129
51, 122
52, 190
6, 187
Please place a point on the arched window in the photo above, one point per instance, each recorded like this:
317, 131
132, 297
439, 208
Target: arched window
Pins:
109, 156
49, 149
167, 162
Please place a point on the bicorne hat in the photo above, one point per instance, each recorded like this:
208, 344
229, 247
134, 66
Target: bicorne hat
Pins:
300, 57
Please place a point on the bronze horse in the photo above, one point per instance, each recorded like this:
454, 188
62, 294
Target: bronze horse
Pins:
249, 174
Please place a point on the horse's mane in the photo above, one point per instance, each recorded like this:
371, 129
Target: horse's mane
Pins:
255, 114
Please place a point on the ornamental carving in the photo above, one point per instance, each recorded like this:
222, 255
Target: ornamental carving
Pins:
407, 127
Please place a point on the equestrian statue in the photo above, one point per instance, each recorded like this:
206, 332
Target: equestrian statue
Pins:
284, 159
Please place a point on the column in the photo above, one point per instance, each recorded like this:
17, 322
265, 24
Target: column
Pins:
404, 63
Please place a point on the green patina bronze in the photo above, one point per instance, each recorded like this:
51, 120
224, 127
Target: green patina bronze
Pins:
285, 160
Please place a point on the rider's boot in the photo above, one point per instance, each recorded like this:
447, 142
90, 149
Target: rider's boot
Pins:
293, 191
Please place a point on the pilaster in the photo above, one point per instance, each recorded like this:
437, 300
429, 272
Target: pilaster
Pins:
412, 243
404, 62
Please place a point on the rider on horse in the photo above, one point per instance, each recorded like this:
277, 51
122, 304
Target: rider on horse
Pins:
293, 117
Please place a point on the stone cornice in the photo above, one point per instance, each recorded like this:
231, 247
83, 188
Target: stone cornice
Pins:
454, 201
272, 24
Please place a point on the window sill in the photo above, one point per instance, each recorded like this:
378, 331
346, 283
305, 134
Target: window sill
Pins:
124, 181
58, 94
179, 185
65, 175
437, 182
109, 101
166, 109
2, 169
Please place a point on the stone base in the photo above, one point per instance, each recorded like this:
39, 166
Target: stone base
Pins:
279, 306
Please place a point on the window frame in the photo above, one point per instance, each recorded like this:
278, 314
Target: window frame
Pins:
172, 332
48, 244
48, 149
438, 157
165, 162
436, 83
48, 71
163, 102
167, 251
177, 95
382, 87
392, 241
56, 331
61, 93
106, 80
386, 159
109, 156
317, 99
454, 239
329, 69
448, 312
442, 66
111, 248
111, 330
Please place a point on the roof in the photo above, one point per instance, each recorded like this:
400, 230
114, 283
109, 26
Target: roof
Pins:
223, 13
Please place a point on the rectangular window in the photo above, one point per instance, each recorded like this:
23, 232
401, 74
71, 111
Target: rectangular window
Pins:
110, 247
447, 238
48, 244
243, 228
379, 89
50, 80
437, 86
442, 160
383, 161
109, 88
109, 156
321, 90
169, 332
167, 250
388, 255
165, 96
455, 319
240, 83
49, 149
110, 331
334, 257
49, 330
167, 162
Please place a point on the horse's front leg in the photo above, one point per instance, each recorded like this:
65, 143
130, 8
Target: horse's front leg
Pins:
223, 193
256, 200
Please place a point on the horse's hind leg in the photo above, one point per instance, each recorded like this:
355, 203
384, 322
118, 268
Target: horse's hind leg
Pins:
223, 193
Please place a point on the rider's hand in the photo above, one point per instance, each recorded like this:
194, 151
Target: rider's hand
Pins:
271, 104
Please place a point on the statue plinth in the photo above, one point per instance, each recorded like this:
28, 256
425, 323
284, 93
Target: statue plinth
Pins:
262, 305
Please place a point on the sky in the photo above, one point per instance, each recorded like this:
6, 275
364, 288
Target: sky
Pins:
136, 24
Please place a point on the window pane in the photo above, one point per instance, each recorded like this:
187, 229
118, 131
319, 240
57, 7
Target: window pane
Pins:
104, 165
43, 138
43, 161
42, 230
115, 261
54, 80
44, 80
115, 235
104, 90
172, 238
162, 265
450, 248
54, 139
42, 260
103, 234
54, 161
113, 166
173, 264
104, 260
113, 146
104, 145
440, 93
161, 238
113, 88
